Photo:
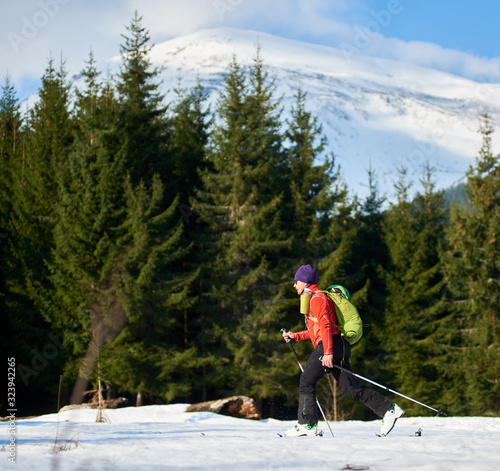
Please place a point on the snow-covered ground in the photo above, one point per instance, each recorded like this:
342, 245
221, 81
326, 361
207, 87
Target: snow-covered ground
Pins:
168, 438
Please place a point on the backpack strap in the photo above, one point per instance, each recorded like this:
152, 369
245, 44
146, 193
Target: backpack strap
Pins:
314, 319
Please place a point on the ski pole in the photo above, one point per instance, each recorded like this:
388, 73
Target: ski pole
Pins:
290, 342
439, 412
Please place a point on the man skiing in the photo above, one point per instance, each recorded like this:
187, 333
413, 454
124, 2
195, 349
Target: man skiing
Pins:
329, 349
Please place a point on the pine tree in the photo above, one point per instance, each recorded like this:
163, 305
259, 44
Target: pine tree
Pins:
471, 363
414, 231
362, 258
118, 289
242, 203
152, 292
10, 147
34, 162
13, 306
188, 139
141, 119
88, 212
45, 157
10, 155
371, 256
312, 195
190, 122
431, 221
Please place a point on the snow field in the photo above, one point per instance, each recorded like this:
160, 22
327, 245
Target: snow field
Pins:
168, 438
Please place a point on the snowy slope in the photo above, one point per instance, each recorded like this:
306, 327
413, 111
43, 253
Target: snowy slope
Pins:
167, 438
373, 111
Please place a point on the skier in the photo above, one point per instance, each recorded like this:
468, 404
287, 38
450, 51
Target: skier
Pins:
329, 349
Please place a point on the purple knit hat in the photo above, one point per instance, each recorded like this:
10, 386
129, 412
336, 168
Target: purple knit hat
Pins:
306, 274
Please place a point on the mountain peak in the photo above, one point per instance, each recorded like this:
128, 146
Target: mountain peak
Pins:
376, 113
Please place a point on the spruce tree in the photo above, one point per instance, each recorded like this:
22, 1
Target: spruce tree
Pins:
471, 361
144, 130
242, 203
141, 119
189, 126
45, 157
371, 256
414, 233
321, 219
88, 212
362, 257
188, 138
118, 289
152, 291
10, 155
312, 194
431, 222
10, 149
34, 165
22, 324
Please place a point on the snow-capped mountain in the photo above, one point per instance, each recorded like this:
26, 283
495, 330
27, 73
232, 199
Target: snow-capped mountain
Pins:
374, 112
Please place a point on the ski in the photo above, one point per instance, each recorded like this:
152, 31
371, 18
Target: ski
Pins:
418, 433
319, 434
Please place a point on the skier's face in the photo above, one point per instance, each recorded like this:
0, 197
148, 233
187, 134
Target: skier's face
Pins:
299, 286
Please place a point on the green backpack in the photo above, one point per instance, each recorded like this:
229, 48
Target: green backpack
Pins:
349, 321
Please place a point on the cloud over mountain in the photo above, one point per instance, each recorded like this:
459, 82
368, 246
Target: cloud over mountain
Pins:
377, 113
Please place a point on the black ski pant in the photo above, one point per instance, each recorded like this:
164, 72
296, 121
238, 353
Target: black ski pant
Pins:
314, 371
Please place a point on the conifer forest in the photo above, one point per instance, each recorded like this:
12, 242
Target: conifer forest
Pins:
149, 242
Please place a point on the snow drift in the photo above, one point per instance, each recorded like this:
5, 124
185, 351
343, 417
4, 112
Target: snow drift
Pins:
165, 437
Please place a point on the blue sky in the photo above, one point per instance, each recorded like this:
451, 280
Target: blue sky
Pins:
456, 36
465, 25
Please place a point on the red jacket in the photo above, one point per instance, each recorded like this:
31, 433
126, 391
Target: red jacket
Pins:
319, 321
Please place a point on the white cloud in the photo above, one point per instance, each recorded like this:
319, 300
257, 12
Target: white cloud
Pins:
436, 57
32, 30
294, 18
169, 19
325, 21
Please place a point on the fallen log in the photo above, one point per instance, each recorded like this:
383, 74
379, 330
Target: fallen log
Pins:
107, 404
242, 407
